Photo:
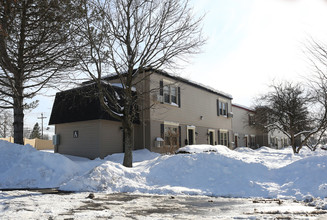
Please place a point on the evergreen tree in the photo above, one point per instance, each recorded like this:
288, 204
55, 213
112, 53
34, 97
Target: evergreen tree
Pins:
36, 132
34, 52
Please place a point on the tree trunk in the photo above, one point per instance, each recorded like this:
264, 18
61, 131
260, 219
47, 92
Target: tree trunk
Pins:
128, 141
18, 121
293, 144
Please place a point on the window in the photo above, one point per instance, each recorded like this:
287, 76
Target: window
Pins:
166, 94
170, 94
222, 108
171, 135
251, 120
223, 138
173, 94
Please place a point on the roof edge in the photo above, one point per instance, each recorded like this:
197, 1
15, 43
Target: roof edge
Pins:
178, 78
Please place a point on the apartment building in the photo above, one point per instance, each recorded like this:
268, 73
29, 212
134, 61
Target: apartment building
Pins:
245, 133
174, 112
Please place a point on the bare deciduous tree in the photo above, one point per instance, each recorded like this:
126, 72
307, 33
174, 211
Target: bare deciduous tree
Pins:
294, 111
317, 54
126, 37
285, 108
33, 50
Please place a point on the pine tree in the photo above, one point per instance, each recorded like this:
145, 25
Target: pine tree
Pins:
36, 132
34, 52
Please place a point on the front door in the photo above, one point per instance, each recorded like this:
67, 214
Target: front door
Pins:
246, 141
211, 137
190, 136
235, 141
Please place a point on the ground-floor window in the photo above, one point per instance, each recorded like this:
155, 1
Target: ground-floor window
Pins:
171, 135
223, 138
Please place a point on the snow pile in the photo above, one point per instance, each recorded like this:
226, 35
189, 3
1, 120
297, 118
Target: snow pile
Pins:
200, 148
213, 171
26, 167
242, 173
138, 156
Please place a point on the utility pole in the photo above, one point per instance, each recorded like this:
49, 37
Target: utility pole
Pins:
42, 117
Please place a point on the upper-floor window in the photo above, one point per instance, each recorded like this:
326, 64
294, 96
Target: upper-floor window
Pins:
222, 108
173, 94
170, 93
166, 94
251, 119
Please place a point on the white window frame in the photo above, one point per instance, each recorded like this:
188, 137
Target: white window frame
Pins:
223, 107
170, 85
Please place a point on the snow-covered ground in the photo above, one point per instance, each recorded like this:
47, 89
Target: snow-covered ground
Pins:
207, 171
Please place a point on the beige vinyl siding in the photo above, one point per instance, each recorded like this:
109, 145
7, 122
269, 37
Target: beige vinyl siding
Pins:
195, 102
87, 143
241, 126
111, 138
200, 138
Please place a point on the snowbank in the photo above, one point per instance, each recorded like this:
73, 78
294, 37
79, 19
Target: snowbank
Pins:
26, 167
238, 173
242, 173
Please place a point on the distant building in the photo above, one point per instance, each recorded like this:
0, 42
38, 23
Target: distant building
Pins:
247, 135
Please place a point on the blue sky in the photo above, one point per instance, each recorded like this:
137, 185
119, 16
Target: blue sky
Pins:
254, 42
250, 44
